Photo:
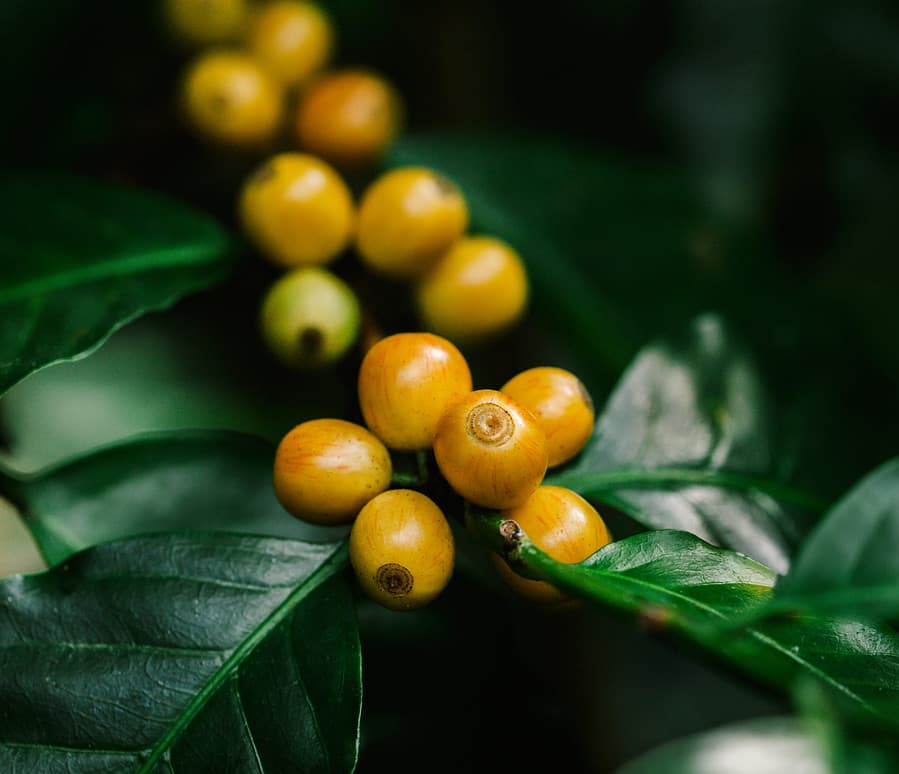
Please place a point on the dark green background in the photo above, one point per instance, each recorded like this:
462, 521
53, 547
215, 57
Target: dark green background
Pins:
780, 119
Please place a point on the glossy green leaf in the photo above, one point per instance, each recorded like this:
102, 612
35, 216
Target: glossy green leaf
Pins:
673, 581
767, 745
158, 483
850, 562
685, 442
182, 653
79, 259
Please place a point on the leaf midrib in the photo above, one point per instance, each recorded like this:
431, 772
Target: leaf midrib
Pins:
164, 258
242, 651
566, 575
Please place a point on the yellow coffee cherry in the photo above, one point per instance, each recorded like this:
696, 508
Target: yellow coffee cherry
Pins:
292, 39
203, 22
562, 406
478, 288
310, 318
490, 449
327, 469
349, 117
407, 219
297, 210
401, 548
230, 100
406, 383
560, 523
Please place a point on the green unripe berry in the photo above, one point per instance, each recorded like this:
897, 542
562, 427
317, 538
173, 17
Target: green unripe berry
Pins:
310, 318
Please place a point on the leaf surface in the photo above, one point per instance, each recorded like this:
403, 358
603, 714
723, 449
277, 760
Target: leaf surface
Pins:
685, 442
770, 745
79, 259
849, 563
182, 653
675, 582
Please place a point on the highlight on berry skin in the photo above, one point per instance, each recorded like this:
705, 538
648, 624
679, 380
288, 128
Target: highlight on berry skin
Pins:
477, 289
406, 382
291, 39
229, 100
297, 210
349, 117
310, 318
326, 470
402, 550
561, 405
407, 219
490, 449
560, 523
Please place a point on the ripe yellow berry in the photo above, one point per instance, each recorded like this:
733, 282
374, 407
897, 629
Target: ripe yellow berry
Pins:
407, 219
406, 383
310, 318
291, 39
478, 288
297, 210
401, 548
490, 449
349, 117
561, 405
231, 100
560, 523
202, 22
327, 469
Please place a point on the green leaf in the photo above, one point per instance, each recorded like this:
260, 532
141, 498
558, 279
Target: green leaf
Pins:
685, 442
182, 653
159, 483
201, 365
590, 229
770, 745
675, 582
849, 563
79, 259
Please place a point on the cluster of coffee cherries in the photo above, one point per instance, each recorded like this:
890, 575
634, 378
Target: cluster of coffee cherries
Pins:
262, 77
492, 447
297, 208
410, 225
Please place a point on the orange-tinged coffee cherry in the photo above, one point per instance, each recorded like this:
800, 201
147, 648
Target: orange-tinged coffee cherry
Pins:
561, 405
202, 22
407, 218
229, 99
297, 210
310, 318
490, 449
560, 523
291, 39
401, 548
406, 383
327, 469
478, 288
349, 117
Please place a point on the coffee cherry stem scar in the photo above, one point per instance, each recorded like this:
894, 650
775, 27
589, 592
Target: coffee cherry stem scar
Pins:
503, 536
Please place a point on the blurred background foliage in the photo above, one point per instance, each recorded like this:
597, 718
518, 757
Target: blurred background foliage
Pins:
652, 160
